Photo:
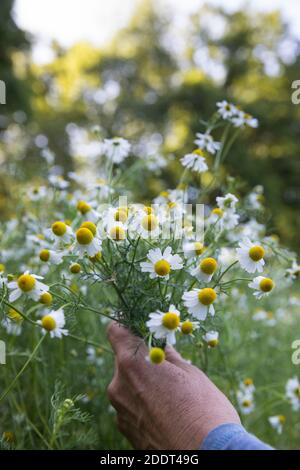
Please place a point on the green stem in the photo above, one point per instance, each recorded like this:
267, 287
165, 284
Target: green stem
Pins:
92, 343
224, 272
25, 317
6, 392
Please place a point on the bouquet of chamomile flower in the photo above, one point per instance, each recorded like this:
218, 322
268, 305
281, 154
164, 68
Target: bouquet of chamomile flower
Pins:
164, 270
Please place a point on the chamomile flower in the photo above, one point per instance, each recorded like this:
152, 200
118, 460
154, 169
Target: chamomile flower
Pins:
147, 224
88, 212
277, 422
224, 220
206, 142
171, 212
51, 256
246, 402
205, 269
251, 256
187, 327
46, 298
195, 161
3, 280
242, 119
100, 189
226, 256
58, 182
156, 356
199, 302
211, 338
162, 198
226, 110
117, 231
86, 242
247, 386
227, 202
164, 325
27, 284
265, 316
254, 200
37, 193
193, 249
262, 285
160, 263
294, 271
292, 392
75, 268
115, 214
116, 149
54, 323
13, 322
60, 232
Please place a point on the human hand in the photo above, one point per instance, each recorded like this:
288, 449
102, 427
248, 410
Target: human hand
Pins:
171, 406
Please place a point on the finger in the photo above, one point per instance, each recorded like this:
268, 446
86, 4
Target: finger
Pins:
123, 341
131, 432
175, 358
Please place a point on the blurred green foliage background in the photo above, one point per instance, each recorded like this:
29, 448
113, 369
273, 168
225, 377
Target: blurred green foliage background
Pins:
152, 86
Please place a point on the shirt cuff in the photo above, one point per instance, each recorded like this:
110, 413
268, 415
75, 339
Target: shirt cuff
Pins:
232, 437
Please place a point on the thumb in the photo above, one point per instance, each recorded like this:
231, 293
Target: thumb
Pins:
175, 358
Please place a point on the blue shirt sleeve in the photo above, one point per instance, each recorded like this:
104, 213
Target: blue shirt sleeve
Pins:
232, 437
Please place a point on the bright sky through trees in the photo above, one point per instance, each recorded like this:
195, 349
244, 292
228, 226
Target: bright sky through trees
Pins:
69, 21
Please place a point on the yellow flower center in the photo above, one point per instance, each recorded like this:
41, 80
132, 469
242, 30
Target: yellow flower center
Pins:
207, 296
46, 298
164, 194
14, 315
199, 152
297, 392
281, 419
266, 284
83, 207
172, 205
96, 257
187, 327
45, 255
256, 253
26, 282
213, 342
148, 210
91, 226
199, 248
157, 355
121, 215
162, 267
117, 233
247, 403
84, 236
48, 323
59, 228
248, 381
8, 436
2, 268
208, 265
40, 236
217, 211
149, 222
170, 320
75, 268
